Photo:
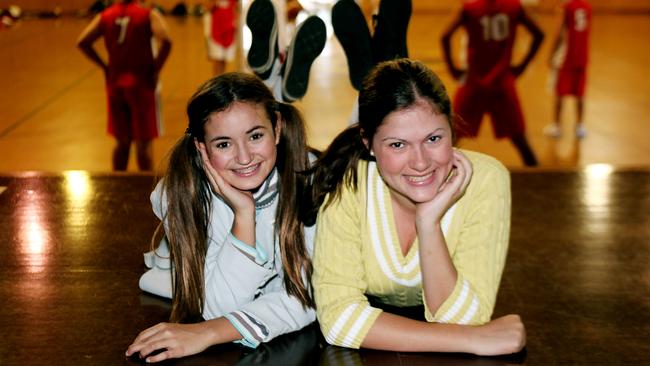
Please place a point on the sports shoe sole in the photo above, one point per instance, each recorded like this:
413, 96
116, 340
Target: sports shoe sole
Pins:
389, 38
352, 32
307, 43
261, 20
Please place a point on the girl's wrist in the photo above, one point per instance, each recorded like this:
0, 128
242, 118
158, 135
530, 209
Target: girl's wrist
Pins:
427, 227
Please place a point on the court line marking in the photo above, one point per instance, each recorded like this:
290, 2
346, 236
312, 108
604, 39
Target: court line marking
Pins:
47, 103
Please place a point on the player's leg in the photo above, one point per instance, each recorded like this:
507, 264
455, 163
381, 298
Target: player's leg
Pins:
352, 31
554, 129
121, 154
525, 151
508, 120
469, 108
119, 122
307, 43
389, 37
147, 123
262, 22
144, 153
580, 83
581, 131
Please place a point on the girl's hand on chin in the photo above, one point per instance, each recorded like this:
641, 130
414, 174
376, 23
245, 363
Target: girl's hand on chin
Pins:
428, 214
237, 199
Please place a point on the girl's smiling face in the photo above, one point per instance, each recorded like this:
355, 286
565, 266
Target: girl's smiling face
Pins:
413, 148
241, 144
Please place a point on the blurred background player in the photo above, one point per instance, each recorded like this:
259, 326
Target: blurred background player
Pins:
488, 84
131, 75
568, 63
220, 31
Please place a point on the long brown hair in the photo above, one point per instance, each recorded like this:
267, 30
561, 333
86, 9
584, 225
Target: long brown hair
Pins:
188, 193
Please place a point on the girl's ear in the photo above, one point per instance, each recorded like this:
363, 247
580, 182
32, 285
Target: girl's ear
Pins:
278, 127
365, 141
199, 145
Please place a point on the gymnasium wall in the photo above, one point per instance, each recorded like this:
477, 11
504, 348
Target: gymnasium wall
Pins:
628, 6
77, 6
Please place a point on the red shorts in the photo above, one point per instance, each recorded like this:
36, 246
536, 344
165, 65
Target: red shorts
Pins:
571, 82
501, 102
133, 112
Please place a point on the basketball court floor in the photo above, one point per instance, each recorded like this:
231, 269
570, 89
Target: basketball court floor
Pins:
53, 108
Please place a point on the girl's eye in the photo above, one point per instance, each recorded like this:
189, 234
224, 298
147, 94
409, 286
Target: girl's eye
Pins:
435, 138
257, 136
396, 145
222, 145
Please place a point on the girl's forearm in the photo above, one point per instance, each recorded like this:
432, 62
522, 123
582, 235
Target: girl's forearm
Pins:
396, 333
220, 330
243, 227
438, 271
500, 336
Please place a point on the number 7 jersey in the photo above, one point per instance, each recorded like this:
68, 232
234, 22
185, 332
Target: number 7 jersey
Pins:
126, 28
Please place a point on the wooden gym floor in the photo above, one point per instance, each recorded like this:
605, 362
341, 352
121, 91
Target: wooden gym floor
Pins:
53, 112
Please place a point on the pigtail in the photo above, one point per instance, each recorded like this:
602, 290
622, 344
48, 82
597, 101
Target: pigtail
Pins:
292, 162
337, 167
188, 196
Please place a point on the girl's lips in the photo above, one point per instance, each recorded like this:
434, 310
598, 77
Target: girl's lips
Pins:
420, 180
248, 171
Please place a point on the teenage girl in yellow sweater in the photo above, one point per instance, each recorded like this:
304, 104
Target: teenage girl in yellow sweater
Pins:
409, 222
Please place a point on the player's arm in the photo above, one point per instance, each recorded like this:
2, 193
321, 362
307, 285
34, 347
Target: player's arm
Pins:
538, 36
86, 40
559, 39
160, 32
456, 72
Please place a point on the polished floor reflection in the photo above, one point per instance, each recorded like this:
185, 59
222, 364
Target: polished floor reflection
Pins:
71, 249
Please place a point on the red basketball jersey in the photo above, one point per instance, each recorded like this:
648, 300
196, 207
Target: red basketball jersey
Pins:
577, 18
491, 27
126, 29
224, 23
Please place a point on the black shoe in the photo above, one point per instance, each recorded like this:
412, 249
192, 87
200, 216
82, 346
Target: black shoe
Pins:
307, 43
261, 19
352, 32
391, 24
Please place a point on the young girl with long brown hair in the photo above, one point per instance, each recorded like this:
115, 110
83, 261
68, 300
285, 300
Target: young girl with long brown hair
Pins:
412, 233
239, 246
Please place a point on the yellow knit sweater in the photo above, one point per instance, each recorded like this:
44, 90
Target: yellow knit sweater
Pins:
357, 253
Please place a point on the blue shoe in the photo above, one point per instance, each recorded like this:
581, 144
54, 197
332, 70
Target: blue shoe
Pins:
391, 25
307, 43
261, 20
352, 32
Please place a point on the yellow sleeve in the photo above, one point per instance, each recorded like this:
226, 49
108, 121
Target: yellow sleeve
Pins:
479, 240
339, 278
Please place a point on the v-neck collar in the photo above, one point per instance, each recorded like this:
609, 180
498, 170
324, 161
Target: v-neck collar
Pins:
403, 269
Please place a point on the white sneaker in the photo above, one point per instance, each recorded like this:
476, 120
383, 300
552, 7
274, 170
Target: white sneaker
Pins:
552, 130
581, 131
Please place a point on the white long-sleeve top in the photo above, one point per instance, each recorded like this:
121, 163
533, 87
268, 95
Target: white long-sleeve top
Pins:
245, 284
